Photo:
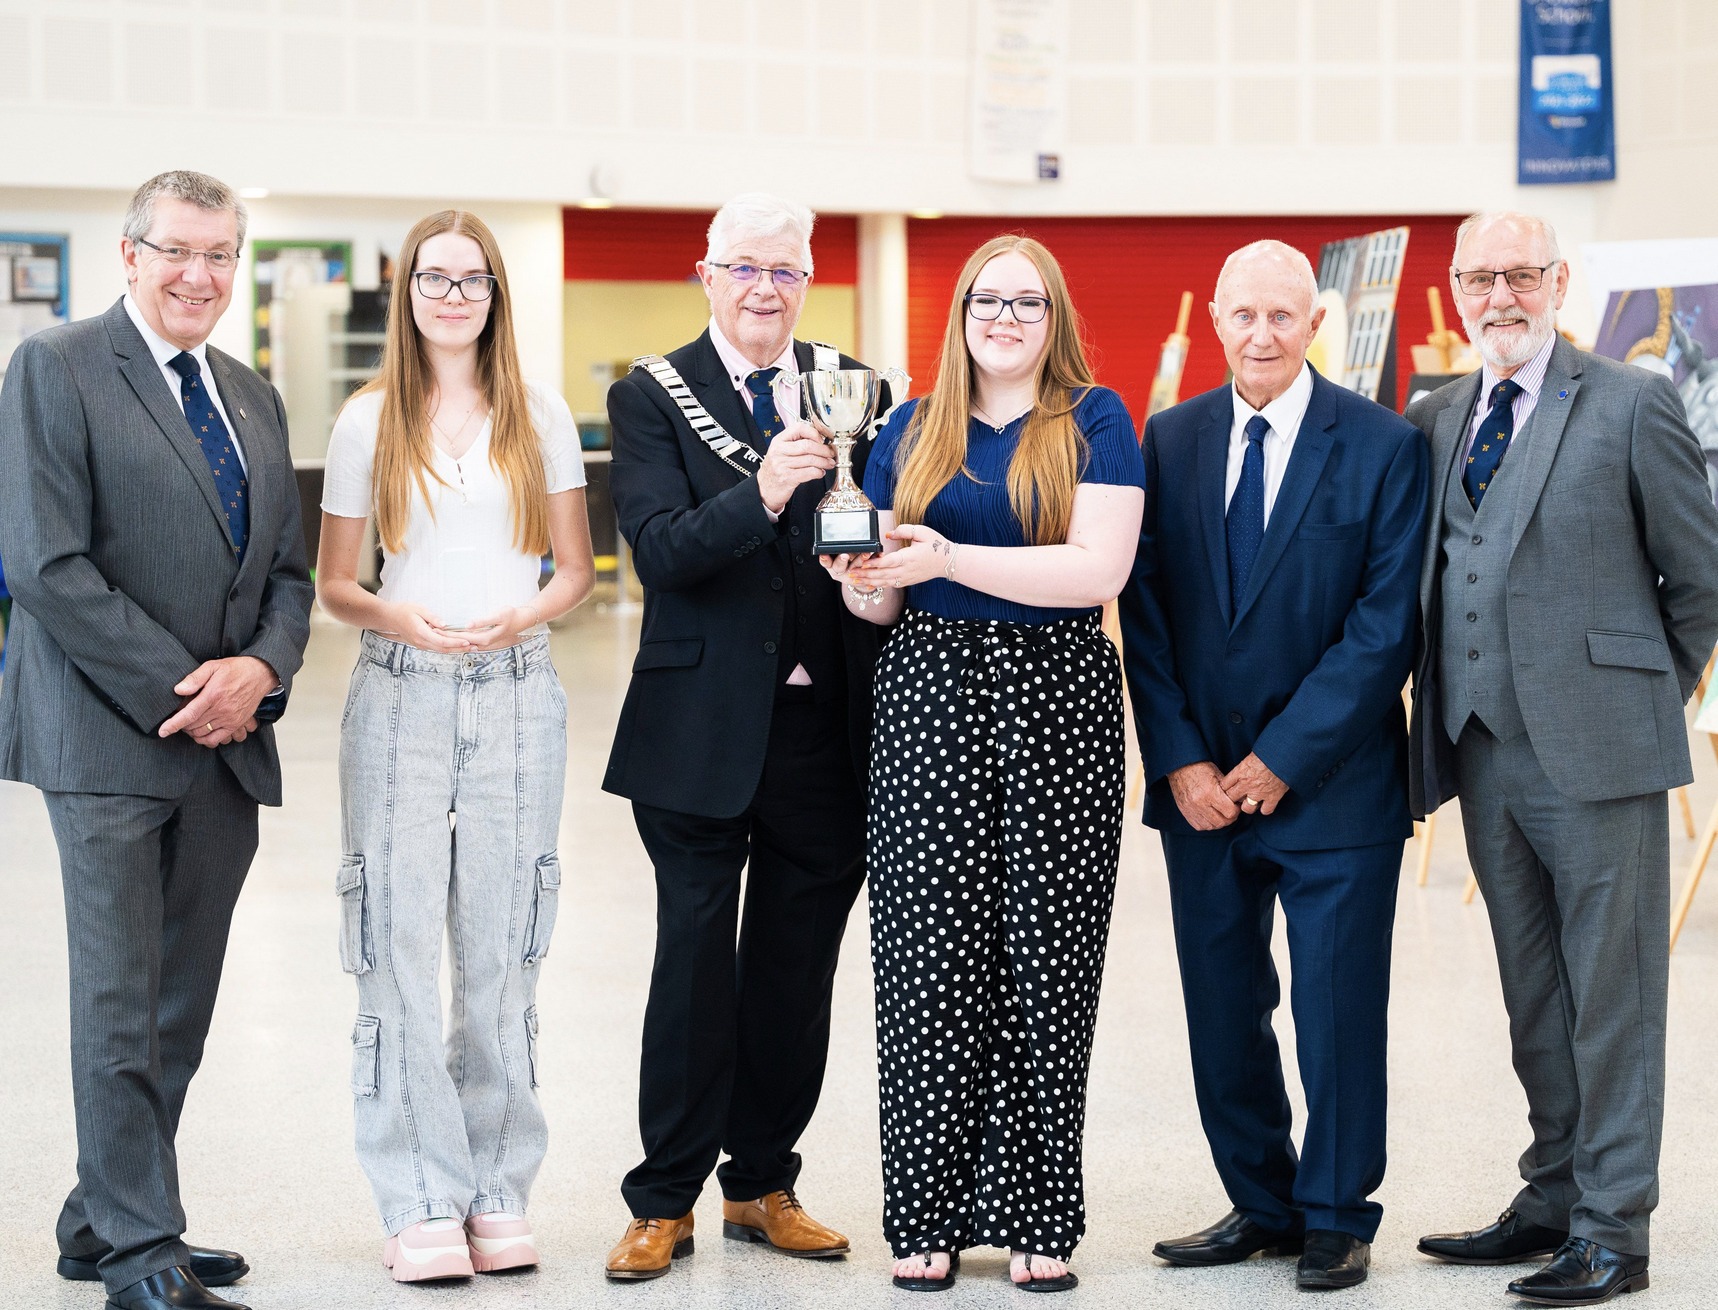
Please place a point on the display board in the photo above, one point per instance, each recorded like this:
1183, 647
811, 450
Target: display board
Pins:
1672, 331
1019, 90
1358, 279
35, 286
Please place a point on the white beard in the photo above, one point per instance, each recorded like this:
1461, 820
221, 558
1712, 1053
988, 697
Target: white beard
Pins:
1540, 326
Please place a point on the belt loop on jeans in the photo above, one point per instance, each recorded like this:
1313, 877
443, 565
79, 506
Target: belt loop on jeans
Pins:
396, 657
520, 663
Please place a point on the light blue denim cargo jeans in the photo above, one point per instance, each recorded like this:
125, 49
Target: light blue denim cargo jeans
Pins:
451, 773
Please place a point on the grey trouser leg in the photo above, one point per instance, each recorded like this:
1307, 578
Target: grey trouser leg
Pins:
1579, 898
149, 889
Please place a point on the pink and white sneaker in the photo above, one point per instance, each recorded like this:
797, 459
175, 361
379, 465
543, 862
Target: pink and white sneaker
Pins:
434, 1248
500, 1241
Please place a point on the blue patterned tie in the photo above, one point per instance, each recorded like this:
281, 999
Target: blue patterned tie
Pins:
217, 443
1491, 443
763, 402
1246, 521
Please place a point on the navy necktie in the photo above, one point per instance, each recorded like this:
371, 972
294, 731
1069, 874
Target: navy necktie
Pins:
763, 402
1491, 443
217, 444
1246, 521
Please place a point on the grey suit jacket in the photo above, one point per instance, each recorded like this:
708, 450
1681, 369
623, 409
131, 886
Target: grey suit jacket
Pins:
1613, 580
124, 577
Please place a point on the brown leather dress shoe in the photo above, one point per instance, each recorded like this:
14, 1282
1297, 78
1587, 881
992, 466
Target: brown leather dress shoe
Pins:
650, 1248
780, 1221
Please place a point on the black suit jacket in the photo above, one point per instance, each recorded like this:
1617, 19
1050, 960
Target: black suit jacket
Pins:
696, 721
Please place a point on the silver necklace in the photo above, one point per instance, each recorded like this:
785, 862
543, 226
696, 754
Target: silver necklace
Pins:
449, 438
979, 410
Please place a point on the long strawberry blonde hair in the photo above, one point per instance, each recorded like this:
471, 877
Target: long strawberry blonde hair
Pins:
404, 449
1045, 470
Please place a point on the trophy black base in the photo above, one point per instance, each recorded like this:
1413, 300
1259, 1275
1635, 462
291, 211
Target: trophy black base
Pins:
846, 532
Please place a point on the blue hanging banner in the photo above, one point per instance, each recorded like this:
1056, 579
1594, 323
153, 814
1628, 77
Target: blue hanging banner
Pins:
1568, 130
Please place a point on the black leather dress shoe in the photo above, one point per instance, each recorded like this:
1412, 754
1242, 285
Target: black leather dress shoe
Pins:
1332, 1259
1583, 1273
171, 1289
213, 1268
1230, 1240
1508, 1241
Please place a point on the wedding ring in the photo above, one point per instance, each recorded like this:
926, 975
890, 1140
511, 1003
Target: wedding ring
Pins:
208, 727
1251, 802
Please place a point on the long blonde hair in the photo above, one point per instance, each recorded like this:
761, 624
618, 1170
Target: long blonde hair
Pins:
1045, 470
404, 451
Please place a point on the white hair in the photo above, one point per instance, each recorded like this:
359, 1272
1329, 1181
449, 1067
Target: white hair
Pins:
1277, 250
197, 189
1553, 252
759, 214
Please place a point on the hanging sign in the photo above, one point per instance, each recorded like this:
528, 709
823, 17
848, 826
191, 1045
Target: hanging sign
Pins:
1567, 129
1019, 90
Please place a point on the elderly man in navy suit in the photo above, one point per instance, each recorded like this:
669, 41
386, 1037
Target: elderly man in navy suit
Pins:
1269, 629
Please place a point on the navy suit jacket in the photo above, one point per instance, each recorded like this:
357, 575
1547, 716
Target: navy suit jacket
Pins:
1306, 668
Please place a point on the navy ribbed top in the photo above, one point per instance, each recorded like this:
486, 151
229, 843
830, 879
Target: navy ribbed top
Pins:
978, 512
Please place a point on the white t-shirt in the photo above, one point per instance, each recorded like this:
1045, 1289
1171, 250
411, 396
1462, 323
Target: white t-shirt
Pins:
462, 563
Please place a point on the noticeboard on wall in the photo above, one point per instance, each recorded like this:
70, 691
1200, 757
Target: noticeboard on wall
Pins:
35, 286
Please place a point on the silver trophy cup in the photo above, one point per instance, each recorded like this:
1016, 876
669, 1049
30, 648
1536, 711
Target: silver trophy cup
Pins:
839, 404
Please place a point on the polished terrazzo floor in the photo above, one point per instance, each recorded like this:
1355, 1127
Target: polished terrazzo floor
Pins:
267, 1163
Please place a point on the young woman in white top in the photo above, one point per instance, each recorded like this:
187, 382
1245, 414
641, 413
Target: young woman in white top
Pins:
452, 748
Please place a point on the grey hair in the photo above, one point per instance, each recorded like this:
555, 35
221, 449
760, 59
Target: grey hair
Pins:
197, 189
1281, 250
1486, 218
759, 214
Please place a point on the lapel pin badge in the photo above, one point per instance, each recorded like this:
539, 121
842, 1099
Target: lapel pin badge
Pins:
1561, 395
242, 413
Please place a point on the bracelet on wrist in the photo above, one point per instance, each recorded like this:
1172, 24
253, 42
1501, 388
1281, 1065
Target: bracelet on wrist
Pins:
953, 550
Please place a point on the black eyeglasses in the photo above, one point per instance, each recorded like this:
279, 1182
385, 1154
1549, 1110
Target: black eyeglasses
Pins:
435, 286
1479, 281
782, 277
217, 261
1025, 309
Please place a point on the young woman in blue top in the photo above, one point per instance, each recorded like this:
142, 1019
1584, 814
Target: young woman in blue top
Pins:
1010, 498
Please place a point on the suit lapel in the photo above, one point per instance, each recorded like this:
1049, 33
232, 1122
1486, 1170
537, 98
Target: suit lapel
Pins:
1213, 468
715, 392
1312, 447
1545, 432
140, 369
1448, 429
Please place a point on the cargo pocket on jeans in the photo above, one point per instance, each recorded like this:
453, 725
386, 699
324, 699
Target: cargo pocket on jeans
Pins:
531, 1041
349, 886
546, 895
366, 1055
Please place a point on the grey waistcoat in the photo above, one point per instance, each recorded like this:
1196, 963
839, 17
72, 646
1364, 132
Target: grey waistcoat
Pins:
1477, 674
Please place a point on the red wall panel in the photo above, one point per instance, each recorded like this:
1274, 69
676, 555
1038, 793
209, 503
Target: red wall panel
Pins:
661, 245
1127, 275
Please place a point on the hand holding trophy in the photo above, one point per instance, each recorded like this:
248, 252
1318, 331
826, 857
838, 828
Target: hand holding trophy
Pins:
838, 403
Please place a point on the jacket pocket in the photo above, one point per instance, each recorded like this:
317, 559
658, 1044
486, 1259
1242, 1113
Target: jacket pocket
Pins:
1330, 531
531, 1041
544, 903
1629, 650
366, 1055
682, 653
349, 887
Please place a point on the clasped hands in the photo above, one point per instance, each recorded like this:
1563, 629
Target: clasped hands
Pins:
222, 699
1210, 800
923, 556
418, 626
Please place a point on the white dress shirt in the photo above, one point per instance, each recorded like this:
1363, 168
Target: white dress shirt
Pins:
1284, 415
164, 350
1530, 377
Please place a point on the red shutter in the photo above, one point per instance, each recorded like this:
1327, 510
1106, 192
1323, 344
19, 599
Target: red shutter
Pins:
1126, 276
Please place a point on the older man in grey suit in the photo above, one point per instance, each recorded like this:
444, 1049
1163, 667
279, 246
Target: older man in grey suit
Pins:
1570, 600
150, 527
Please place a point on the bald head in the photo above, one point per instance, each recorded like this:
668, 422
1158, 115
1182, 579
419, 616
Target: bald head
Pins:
1512, 225
1266, 313
1274, 259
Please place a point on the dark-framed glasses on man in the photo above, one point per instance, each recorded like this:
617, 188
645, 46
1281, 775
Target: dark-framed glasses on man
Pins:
1479, 281
218, 260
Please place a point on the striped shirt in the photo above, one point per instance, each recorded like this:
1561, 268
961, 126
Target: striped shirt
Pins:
1530, 377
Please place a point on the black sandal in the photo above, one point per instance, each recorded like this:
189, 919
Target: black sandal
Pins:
1066, 1283
931, 1284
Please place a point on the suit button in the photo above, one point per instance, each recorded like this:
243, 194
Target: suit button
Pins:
793, 532
1472, 617
769, 648
1477, 539
801, 591
775, 584
1473, 654
1234, 716
799, 559
1473, 577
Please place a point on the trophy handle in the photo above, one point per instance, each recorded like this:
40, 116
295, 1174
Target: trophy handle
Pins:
780, 386
898, 382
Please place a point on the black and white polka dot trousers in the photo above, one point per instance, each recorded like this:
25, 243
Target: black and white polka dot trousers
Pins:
997, 773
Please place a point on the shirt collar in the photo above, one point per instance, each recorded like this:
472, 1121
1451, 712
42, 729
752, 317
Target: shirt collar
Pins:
162, 349
1529, 377
1285, 412
738, 367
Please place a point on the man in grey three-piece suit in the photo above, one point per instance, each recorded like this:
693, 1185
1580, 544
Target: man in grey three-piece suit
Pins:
1570, 601
150, 525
